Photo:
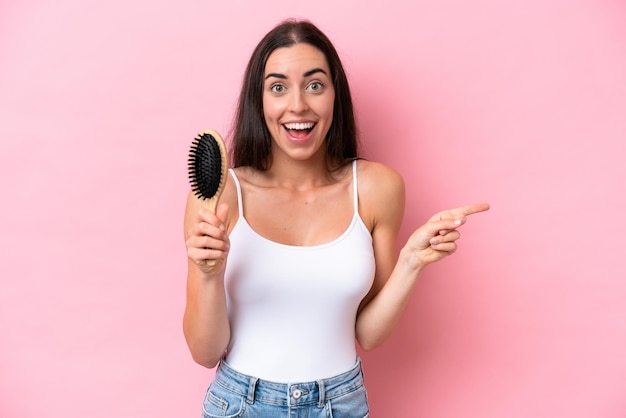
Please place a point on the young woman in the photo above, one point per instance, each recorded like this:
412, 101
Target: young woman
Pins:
304, 237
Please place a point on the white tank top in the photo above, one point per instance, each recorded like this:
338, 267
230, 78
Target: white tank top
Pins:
292, 309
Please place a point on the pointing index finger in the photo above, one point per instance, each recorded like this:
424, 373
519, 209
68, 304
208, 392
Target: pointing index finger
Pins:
474, 208
461, 212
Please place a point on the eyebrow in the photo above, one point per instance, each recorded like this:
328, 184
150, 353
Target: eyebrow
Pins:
306, 74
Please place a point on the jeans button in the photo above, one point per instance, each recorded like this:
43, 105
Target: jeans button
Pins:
296, 394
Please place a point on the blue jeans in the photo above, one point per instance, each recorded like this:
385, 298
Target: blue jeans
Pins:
233, 394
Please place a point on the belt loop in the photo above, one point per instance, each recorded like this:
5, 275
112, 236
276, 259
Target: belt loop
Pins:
322, 390
252, 389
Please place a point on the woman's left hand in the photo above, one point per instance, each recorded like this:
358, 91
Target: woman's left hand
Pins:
436, 239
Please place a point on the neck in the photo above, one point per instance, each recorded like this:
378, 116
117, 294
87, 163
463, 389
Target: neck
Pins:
300, 174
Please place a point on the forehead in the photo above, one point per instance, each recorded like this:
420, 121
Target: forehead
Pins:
298, 58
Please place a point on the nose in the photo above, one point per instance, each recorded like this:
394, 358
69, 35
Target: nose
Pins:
298, 103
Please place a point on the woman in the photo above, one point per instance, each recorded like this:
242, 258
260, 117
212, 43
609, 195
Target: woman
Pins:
304, 237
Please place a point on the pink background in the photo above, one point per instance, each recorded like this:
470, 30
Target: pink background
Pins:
518, 103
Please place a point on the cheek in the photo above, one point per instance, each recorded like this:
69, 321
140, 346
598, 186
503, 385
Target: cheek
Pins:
328, 108
330, 103
270, 110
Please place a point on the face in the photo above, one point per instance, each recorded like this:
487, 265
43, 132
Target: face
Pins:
298, 97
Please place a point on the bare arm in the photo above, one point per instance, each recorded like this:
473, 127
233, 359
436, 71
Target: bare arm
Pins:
394, 281
205, 321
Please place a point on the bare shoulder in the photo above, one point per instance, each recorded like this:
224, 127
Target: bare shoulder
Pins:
381, 192
377, 179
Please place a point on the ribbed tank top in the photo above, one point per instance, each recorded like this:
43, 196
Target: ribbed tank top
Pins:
292, 309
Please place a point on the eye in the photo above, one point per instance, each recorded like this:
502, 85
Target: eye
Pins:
277, 88
315, 86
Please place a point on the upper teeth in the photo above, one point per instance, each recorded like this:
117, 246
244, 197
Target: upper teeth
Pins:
299, 126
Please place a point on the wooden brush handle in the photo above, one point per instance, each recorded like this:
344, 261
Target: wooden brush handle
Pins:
211, 204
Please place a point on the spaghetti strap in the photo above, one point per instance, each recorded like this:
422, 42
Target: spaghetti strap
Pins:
239, 198
355, 190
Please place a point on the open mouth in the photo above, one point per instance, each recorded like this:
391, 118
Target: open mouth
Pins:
299, 130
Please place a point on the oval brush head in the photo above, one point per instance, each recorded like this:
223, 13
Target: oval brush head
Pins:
208, 167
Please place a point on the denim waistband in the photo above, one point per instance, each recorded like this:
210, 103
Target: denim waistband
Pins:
289, 394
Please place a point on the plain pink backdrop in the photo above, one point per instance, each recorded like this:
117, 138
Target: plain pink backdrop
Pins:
518, 103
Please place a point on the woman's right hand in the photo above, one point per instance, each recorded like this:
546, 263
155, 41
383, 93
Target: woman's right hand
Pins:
205, 322
207, 239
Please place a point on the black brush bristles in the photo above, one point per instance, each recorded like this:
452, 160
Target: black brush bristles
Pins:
207, 165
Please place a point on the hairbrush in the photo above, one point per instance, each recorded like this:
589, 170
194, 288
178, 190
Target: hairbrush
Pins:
208, 165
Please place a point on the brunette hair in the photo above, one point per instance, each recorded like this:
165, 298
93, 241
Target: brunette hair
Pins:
252, 142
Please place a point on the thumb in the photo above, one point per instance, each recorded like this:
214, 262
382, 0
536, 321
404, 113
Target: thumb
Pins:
222, 212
